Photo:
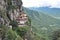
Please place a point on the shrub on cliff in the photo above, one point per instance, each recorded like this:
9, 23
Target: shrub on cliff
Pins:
14, 24
12, 35
22, 31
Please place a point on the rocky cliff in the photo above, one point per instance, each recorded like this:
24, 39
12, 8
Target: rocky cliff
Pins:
13, 17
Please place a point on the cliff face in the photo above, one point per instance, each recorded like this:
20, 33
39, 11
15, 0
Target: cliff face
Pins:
10, 10
11, 13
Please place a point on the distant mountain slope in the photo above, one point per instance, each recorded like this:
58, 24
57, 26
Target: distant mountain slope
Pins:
52, 11
42, 23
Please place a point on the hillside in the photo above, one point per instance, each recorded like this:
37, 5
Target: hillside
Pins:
50, 11
43, 24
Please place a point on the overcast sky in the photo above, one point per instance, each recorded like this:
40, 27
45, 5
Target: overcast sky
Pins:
41, 3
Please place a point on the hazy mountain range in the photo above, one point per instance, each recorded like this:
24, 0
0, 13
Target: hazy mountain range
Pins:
42, 23
50, 11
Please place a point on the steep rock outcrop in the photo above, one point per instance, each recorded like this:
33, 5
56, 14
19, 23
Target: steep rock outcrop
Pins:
11, 10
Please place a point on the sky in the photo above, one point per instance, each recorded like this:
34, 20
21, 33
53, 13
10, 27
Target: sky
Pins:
41, 3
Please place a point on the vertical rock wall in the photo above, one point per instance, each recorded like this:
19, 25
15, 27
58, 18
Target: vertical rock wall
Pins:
13, 9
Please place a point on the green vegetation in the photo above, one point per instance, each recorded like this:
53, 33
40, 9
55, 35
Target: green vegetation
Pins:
3, 30
56, 35
14, 24
21, 31
43, 25
15, 34
12, 35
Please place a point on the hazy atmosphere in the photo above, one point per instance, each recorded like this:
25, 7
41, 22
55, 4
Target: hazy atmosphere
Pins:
41, 3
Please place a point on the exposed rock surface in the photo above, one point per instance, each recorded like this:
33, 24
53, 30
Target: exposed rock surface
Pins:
11, 10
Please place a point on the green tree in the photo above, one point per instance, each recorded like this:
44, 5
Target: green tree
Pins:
56, 35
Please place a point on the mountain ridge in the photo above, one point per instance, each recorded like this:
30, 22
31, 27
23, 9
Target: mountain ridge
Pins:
51, 11
43, 24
